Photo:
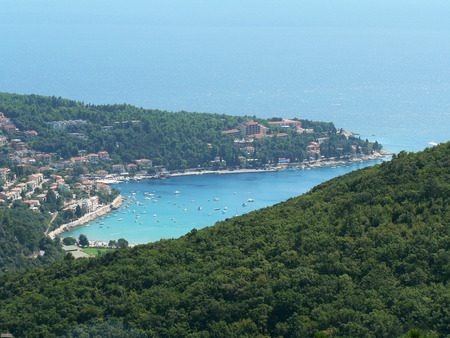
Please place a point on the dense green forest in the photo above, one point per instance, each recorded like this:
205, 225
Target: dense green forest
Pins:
22, 240
362, 255
175, 140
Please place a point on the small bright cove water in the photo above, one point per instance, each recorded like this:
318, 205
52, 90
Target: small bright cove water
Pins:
177, 214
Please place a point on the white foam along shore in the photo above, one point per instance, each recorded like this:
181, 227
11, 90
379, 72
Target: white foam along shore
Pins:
118, 201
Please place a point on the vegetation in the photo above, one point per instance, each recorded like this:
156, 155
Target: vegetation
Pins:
22, 239
95, 251
178, 140
362, 255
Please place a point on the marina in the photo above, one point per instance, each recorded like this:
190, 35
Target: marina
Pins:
152, 211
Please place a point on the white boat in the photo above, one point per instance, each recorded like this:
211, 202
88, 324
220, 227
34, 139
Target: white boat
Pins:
244, 204
226, 208
176, 192
216, 199
120, 219
216, 208
250, 200
199, 208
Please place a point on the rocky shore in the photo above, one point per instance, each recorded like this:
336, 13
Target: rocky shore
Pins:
118, 201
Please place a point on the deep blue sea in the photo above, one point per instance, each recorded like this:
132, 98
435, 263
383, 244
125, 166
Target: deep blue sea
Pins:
380, 68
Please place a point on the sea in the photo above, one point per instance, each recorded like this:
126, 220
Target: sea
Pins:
378, 68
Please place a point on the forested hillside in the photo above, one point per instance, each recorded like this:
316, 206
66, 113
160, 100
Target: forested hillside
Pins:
23, 243
175, 140
362, 255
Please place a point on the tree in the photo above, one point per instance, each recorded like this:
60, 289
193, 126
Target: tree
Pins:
69, 240
112, 243
122, 243
83, 240
78, 211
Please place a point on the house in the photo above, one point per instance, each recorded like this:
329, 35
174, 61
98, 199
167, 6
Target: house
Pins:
42, 197
107, 127
92, 157
313, 154
18, 145
17, 191
249, 149
104, 187
131, 167
25, 167
314, 146
62, 125
47, 157
250, 128
118, 168
3, 141
232, 132
284, 160
15, 159
22, 187
31, 133
31, 185
28, 160
34, 204
285, 123
144, 163
42, 169
39, 178
4, 173
10, 128
322, 139
79, 160
90, 204
59, 165
103, 155
101, 172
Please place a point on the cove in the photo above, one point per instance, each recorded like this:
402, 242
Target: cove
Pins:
162, 209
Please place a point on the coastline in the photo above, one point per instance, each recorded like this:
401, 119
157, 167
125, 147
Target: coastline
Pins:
118, 201
288, 166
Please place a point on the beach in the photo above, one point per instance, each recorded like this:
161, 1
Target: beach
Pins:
293, 166
118, 201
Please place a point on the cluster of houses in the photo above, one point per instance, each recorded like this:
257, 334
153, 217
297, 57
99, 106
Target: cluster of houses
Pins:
251, 129
33, 182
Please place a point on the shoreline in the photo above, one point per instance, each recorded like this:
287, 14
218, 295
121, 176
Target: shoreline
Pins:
289, 166
118, 201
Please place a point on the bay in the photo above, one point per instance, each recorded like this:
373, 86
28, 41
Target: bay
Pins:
379, 68
154, 211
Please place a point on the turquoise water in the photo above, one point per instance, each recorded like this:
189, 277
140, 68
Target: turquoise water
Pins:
218, 196
380, 68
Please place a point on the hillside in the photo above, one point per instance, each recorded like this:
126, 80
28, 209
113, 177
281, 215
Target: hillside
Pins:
175, 140
365, 254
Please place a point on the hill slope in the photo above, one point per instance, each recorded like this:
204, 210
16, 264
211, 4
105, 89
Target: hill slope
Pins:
175, 140
366, 254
